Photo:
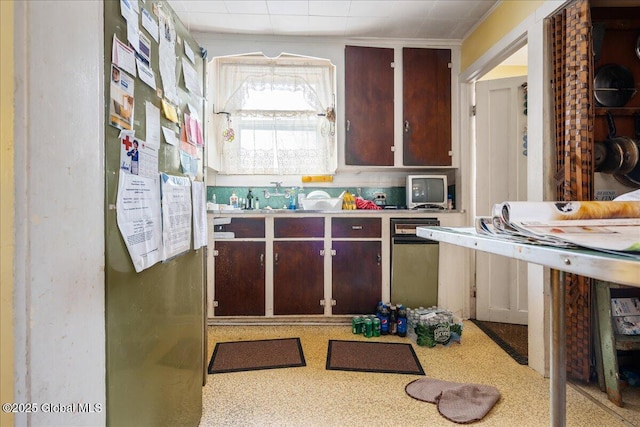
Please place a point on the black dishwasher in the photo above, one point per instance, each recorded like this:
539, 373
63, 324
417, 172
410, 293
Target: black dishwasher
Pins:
414, 263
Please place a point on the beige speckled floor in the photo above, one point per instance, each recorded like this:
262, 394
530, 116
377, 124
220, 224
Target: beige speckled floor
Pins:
313, 396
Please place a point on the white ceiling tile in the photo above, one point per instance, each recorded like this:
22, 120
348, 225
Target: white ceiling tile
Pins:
410, 9
234, 24
437, 29
249, 7
319, 25
479, 10
288, 7
454, 9
290, 25
199, 6
329, 8
369, 8
429, 19
366, 26
407, 28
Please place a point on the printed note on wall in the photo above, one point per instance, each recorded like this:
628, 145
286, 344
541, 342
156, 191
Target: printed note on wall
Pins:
138, 215
176, 214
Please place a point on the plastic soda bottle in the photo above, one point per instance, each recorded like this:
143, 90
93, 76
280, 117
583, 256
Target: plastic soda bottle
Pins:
393, 321
402, 321
384, 320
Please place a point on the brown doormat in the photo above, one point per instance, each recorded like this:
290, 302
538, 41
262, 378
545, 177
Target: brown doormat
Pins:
511, 338
258, 354
367, 356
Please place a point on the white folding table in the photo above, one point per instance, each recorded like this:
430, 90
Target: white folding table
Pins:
598, 265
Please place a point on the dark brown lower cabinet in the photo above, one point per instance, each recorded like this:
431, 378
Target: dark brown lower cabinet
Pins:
240, 278
356, 277
298, 277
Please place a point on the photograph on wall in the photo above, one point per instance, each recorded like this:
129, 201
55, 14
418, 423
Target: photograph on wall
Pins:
121, 101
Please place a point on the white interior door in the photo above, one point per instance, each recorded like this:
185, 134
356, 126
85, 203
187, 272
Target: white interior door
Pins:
501, 283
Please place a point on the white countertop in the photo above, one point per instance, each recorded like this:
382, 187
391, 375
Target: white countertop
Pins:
298, 212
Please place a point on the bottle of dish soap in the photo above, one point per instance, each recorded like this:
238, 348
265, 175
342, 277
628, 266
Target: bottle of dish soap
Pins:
233, 201
301, 197
292, 199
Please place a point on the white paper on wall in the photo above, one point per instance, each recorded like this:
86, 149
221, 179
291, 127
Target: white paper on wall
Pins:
123, 56
152, 125
149, 24
170, 136
138, 215
198, 195
176, 214
146, 74
191, 80
167, 57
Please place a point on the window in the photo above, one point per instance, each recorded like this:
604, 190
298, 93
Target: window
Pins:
275, 116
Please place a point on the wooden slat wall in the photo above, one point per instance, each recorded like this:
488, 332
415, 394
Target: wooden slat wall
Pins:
574, 117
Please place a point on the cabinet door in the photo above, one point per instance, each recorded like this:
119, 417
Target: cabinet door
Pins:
357, 276
298, 277
426, 107
368, 106
239, 278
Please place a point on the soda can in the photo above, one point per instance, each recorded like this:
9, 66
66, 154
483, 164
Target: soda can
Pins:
376, 327
368, 328
356, 325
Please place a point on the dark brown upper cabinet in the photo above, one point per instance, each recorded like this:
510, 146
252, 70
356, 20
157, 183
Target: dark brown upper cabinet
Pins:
369, 106
426, 82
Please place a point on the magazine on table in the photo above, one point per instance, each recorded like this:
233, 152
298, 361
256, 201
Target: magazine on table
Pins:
611, 226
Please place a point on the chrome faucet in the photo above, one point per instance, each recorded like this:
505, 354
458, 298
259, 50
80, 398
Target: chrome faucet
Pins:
278, 192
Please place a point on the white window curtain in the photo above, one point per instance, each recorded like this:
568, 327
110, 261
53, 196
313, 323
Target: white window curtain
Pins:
275, 116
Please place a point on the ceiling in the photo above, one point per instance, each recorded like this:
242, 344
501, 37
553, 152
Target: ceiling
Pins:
404, 19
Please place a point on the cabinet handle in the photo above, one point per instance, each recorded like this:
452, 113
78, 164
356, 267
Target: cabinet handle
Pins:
275, 257
379, 257
406, 126
261, 260
348, 125
356, 227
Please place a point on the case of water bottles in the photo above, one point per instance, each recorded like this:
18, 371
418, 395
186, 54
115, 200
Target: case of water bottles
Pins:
432, 326
424, 326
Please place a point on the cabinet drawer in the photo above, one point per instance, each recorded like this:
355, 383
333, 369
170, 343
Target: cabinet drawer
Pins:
298, 227
243, 227
356, 227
